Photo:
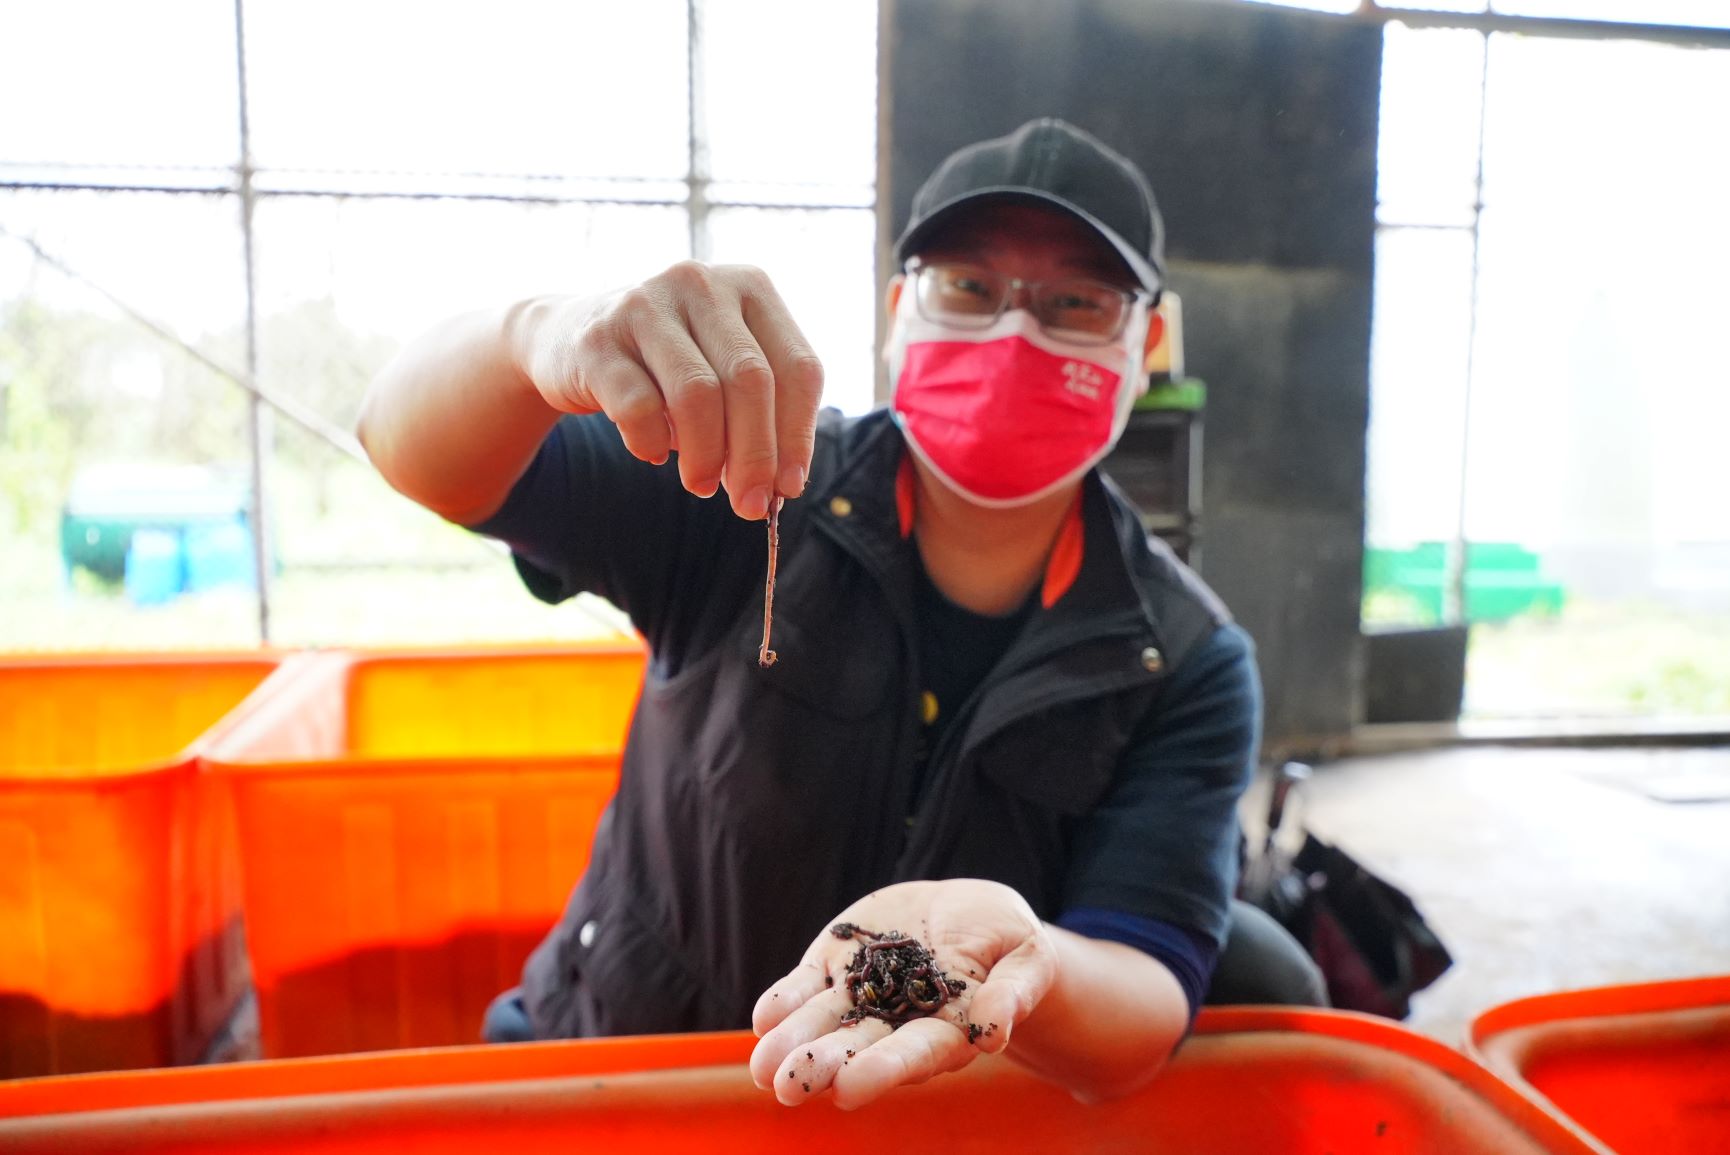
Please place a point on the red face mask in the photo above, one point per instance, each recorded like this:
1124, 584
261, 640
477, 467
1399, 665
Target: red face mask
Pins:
1006, 415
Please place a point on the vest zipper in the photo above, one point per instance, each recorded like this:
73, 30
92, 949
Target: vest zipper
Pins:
888, 839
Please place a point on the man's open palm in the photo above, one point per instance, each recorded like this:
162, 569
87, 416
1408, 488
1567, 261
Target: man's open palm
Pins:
982, 933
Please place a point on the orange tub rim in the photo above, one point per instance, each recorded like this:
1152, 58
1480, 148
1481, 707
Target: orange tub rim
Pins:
1597, 1002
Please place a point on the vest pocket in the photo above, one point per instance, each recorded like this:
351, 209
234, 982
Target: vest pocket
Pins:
1060, 760
627, 981
833, 669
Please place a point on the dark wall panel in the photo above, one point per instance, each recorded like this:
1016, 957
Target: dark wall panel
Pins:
1257, 128
1284, 353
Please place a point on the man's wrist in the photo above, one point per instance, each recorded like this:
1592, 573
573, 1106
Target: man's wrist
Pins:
520, 328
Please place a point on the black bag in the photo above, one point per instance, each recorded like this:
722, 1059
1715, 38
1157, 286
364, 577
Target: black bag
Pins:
1373, 946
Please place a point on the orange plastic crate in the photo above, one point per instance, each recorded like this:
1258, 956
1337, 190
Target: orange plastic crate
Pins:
410, 827
1296, 1082
1643, 1068
120, 940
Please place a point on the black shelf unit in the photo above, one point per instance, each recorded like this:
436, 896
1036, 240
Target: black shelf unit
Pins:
1157, 462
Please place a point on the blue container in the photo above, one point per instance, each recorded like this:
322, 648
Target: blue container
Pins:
219, 554
111, 501
155, 567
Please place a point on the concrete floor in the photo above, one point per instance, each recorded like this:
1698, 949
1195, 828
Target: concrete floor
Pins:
1542, 869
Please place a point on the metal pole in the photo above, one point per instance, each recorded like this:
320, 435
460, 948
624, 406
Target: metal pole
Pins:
697, 136
258, 429
1568, 27
884, 198
327, 431
1454, 609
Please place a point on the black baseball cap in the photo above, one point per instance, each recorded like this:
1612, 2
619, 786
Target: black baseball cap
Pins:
1051, 162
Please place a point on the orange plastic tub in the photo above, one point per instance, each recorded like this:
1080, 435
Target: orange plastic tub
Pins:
1299, 1083
1645, 1068
410, 827
120, 941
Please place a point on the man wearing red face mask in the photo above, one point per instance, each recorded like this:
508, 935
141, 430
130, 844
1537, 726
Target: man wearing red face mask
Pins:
1002, 720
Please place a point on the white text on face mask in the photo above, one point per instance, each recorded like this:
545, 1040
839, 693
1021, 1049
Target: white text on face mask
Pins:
1082, 378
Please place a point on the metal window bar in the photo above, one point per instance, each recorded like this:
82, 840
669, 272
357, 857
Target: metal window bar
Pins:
1687, 35
1456, 563
258, 431
1454, 609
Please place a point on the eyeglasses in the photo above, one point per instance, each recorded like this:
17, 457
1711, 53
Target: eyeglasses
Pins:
970, 297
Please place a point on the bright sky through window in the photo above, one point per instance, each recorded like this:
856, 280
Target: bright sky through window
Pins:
505, 98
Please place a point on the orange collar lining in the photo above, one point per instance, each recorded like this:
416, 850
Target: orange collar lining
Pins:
1061, 568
